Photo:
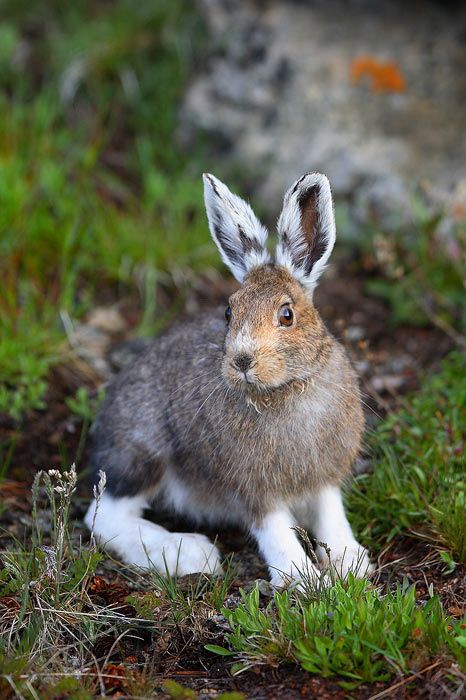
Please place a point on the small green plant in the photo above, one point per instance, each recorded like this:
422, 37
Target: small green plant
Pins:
84, 404
349, 630
418, 482
189, 602
423, 270
23, 385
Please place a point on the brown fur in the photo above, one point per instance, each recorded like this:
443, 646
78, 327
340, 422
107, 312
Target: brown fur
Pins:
183, 415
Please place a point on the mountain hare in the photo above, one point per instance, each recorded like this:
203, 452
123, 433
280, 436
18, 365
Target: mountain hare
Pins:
250, 416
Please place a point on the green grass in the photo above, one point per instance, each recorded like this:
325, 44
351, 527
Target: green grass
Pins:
349, 630
418, 483
46, 585
54, 614
62, 245
95, 198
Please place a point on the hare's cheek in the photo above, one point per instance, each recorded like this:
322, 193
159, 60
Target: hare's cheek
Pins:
271, 369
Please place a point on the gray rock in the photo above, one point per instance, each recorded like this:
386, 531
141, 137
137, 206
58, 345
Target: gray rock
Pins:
277, 98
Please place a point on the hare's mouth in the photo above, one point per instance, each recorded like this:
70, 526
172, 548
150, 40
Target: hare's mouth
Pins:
248, 376
248, 380
245, 378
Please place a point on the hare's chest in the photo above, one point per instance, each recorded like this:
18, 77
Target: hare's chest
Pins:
278, 448
295, 429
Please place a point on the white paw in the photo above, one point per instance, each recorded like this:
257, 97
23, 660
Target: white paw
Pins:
299, 576
146, 545
353, 558
183, 553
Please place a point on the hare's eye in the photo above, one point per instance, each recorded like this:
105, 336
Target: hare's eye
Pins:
228, 314
285, 316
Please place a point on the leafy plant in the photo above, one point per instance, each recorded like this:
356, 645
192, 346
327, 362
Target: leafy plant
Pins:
84, 404
350, 630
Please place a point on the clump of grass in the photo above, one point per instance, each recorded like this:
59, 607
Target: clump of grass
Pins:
48, 622
418, 483
423, 272
51, 623
49, 579
187, 603
348, 630
178, 692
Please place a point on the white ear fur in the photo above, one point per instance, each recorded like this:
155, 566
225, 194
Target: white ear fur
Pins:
238, 233
306, 229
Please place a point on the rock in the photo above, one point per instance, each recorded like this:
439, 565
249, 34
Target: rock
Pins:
354, 333
107, 319
373, 94
387, 383
385, 201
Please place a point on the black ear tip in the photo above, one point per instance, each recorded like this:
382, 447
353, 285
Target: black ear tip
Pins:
212, 184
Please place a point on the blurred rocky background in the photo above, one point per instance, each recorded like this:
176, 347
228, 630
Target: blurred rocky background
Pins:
371, 93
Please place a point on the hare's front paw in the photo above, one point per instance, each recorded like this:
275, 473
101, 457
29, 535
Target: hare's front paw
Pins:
301, 576
353, 557
186, 553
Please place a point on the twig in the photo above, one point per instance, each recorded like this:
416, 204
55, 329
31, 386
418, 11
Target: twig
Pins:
441, 324
388, 691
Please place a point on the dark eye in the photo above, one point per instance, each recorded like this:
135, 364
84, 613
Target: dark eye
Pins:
228, 314
285, 316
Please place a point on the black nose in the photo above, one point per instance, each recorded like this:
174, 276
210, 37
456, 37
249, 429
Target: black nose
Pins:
242, 362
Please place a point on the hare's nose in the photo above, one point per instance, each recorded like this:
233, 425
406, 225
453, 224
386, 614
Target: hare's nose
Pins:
242, 362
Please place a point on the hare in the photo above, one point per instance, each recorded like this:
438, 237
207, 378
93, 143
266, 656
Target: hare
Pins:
249, 416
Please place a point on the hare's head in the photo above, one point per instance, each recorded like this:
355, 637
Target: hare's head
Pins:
274, 334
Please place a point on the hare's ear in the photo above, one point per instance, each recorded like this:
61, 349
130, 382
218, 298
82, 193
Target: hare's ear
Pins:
306, 229
238, 233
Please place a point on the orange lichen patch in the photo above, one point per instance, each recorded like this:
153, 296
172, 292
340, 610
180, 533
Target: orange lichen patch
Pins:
384, 77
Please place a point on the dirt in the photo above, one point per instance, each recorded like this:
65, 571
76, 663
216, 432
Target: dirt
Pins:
388, 360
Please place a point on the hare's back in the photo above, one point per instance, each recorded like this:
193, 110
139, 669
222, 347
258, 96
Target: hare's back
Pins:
132, 436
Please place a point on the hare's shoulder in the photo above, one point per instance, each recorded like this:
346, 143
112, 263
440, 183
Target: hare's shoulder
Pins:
187, 349
201, 336
170, 354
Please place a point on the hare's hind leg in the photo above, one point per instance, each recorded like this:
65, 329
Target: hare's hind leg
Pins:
324, 515
117, 524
